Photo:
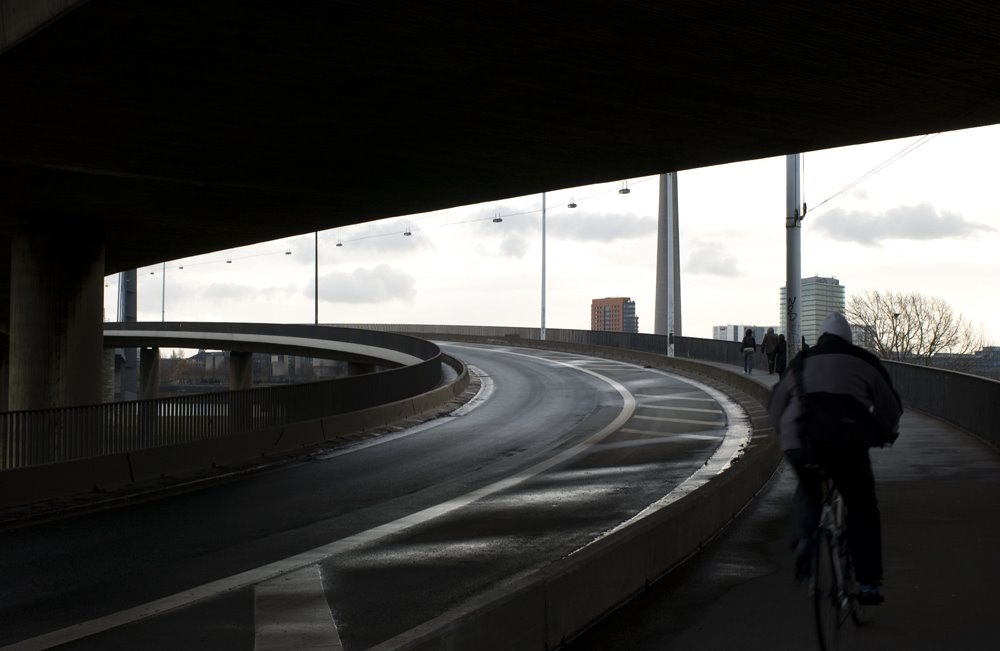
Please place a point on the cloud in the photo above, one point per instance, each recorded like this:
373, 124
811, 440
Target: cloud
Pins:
708, 257
600, 227
576, 225
380, 284
225, 292
514, 246
920, 222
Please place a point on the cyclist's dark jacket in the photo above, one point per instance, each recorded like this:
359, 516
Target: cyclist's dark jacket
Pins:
835, 366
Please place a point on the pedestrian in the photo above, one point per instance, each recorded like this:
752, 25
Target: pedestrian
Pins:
835, 403
780, 356
770, 348
749, 345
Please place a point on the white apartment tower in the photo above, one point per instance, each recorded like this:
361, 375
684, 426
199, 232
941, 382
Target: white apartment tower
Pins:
819, 297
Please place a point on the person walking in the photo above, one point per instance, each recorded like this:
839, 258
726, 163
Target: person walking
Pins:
770, 348
836, 402
749, 345
781, 356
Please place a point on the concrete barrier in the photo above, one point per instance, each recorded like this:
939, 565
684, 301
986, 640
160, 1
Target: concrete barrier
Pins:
551, 606
969, 402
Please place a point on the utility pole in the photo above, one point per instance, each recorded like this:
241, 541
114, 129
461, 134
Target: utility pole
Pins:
793, 248
542, 330
163, 294
316, 278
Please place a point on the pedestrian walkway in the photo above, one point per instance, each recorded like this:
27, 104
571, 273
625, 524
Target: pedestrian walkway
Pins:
939, 493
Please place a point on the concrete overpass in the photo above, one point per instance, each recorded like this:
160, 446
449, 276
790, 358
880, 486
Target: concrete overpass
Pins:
132, 133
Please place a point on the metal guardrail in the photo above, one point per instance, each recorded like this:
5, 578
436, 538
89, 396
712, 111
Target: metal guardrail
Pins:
34, 437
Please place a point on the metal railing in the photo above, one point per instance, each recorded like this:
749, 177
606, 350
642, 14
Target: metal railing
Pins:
34, 437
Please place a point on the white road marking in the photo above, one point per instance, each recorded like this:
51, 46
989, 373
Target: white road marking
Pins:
317, 555
695, 409
645, 396
291, 614
682, 421
670, 435
738, 434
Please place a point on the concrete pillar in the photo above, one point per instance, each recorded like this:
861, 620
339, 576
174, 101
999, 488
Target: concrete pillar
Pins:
240, 370
668, 269
128, 301
149, 373
4, 368
56, 320
108, 376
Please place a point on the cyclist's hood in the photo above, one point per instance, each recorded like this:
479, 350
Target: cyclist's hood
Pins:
836, 324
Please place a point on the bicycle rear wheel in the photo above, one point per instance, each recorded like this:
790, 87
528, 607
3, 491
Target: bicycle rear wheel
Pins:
851, 585
826, 601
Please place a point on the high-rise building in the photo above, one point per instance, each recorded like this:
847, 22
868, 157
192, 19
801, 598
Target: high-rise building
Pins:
613, 315
819, 297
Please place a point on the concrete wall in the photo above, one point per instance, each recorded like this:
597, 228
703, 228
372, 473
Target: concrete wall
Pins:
969, 402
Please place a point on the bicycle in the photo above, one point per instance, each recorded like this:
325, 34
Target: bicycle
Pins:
832, 584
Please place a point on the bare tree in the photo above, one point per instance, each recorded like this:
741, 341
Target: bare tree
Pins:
914, 328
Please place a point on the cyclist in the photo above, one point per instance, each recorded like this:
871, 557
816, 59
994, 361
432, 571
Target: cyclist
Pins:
849, 406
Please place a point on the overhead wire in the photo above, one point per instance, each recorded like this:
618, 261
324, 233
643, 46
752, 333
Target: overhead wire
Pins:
369, 236
490, 217
905, 151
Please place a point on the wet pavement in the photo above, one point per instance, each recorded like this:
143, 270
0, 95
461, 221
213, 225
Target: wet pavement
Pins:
939, 494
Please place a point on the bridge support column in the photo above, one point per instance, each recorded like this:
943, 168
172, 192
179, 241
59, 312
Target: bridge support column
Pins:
56, 320
668, 268
149, 373
108, 376
4, 368
240, 370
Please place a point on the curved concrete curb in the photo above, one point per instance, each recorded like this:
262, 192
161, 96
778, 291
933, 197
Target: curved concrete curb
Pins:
21, 486
558, 602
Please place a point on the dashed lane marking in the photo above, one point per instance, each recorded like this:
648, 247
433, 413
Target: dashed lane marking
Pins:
291, 614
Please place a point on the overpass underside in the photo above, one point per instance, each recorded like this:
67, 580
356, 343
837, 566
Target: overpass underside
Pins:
132, 133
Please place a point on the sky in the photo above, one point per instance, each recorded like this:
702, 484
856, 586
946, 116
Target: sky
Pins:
911, 215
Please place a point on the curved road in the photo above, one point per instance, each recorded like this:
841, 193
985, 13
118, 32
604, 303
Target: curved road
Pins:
360, 543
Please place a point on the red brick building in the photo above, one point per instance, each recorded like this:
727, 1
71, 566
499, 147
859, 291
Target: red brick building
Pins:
613, 315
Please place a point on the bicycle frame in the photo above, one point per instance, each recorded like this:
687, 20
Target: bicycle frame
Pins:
832, 597
831, 529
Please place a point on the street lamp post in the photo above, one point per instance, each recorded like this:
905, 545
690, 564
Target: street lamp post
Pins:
163, 294
316, 274
542, 330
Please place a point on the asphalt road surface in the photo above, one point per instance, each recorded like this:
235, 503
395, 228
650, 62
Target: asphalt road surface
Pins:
371, 539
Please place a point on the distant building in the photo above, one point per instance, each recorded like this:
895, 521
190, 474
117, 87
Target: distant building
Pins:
984, 362
819, 296
613, 315
736, 332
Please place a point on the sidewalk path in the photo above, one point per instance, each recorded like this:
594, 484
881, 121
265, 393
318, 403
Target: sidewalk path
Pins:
939, 492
